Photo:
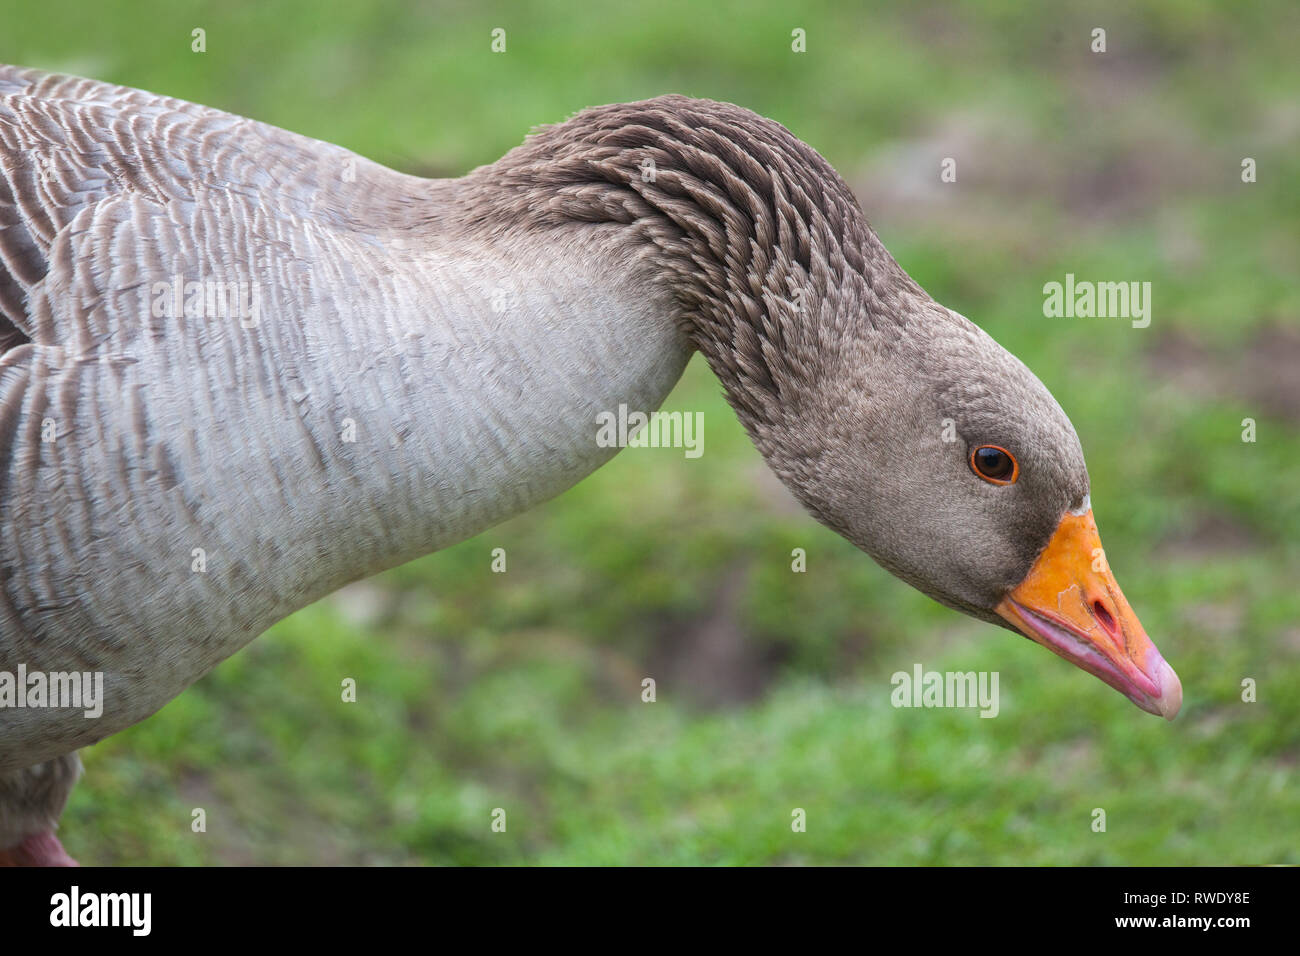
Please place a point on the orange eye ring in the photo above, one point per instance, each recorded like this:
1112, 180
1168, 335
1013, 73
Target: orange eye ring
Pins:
995, 465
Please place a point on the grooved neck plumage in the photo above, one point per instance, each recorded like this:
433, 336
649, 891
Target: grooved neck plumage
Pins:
762, 244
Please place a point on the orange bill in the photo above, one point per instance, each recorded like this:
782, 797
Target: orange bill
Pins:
1069, 602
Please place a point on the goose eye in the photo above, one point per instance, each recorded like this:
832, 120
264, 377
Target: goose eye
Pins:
994, 464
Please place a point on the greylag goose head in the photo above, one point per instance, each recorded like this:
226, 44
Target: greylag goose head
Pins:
895, 421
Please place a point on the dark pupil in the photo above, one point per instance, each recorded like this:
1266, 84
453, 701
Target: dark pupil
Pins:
993, 463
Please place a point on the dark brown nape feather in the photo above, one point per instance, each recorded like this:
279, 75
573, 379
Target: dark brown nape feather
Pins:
10, 335
762, 242
13, 308
22, 262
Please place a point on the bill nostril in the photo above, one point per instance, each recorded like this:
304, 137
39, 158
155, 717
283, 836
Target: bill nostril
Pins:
1105, 618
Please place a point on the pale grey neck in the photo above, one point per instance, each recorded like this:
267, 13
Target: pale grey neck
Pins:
478, 396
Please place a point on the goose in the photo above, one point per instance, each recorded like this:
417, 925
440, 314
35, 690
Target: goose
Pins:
241, 368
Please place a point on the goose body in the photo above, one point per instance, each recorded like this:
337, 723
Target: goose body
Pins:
403, 363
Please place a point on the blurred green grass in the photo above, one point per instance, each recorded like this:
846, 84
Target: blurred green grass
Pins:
522, 690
